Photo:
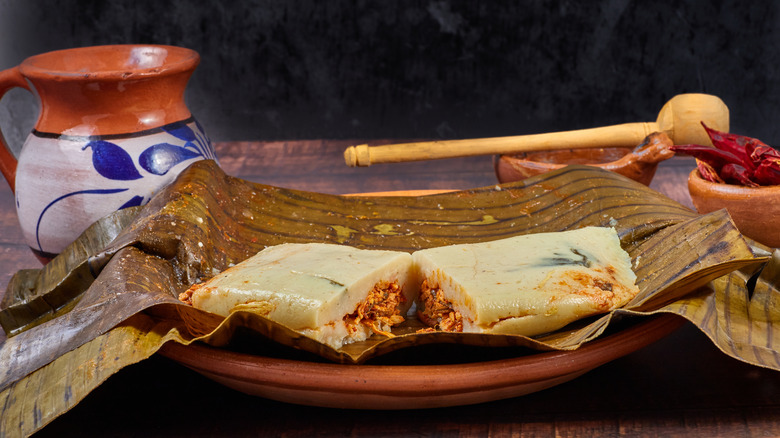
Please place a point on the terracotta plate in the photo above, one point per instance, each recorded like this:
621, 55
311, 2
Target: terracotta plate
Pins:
412, 386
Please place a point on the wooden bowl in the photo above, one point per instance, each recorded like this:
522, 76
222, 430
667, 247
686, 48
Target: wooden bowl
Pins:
637, 163
755, 210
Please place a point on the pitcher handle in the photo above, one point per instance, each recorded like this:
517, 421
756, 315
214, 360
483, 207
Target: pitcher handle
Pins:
10, 78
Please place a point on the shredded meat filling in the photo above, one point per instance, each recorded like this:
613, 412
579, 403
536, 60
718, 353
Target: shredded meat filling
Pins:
186, 296
380, 308
436, 311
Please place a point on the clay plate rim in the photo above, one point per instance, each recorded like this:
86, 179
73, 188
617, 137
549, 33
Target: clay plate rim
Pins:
411, 386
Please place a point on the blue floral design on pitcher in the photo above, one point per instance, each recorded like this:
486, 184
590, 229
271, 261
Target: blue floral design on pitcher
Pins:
113, 162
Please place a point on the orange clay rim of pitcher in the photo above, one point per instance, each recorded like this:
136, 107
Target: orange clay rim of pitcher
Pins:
110, 62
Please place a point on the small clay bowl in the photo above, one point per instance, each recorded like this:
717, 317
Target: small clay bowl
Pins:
755, 210
637, 163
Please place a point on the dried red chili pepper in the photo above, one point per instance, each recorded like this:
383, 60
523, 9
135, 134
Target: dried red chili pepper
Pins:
716, 158
707, 172
768, 172
735, 174
736, 144
735, 159
762, 153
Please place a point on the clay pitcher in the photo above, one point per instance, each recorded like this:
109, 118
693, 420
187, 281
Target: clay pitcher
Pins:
113, 130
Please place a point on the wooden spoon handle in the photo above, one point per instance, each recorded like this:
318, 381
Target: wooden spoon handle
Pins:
625, 135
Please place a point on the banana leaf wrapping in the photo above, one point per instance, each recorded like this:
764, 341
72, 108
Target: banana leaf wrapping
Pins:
109, 300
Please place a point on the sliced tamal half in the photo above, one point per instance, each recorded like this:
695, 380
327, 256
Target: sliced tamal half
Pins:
206, 221
335, 294
524, 285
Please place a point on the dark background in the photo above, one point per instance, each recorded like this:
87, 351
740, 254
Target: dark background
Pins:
426, 69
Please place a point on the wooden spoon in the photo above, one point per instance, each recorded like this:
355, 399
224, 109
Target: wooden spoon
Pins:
680, 119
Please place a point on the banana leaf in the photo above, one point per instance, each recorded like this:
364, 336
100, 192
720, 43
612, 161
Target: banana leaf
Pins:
102, 306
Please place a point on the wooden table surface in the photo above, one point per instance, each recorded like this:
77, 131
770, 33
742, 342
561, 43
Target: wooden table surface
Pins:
681, 385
